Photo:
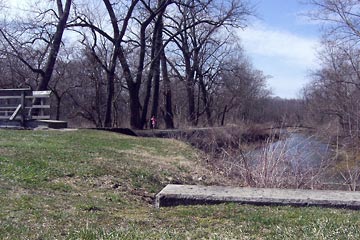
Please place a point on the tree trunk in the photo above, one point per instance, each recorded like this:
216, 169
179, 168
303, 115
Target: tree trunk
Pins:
134, 89
110, 73
149, 79
168, 115
135, 106
147, 98
55, 45
99, 122
109, 98
190, 87
205, 100
158, 50
134, 86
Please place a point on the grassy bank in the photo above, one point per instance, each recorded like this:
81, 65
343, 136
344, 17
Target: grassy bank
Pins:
100, 185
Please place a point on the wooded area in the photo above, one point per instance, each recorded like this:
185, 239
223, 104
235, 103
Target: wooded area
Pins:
118, 63
333, 96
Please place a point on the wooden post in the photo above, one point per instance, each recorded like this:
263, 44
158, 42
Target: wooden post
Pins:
22, 108
42, 109
7, 103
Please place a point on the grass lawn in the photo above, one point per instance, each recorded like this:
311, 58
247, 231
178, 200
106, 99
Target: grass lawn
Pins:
99, 185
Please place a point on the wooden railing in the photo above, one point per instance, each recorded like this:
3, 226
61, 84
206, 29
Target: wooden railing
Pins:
24, 105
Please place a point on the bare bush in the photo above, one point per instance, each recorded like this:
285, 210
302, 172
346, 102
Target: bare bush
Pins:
277, 164
347, 167
271, 158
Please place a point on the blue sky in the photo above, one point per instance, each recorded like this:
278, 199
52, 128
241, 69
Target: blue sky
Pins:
282, 43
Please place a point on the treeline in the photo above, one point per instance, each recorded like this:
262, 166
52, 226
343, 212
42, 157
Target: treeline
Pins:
333, 96
117, 63
120, 62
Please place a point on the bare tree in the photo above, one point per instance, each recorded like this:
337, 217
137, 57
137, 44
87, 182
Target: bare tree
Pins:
333, 96
336, 86
153, 78
141, 21
241, 91
340, 19
201, 22
41, 31
115, 36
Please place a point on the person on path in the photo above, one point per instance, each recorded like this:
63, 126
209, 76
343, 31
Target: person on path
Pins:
153, 122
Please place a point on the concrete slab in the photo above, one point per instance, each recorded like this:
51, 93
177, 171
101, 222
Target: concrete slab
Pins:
55, 124
173, 195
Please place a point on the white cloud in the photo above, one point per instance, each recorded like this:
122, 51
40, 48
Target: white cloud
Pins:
284, 55
262, 40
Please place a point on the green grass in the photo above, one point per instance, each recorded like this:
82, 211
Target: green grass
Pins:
100, 185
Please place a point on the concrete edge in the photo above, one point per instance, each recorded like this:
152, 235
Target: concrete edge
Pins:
164, 199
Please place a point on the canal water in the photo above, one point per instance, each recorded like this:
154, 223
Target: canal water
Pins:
297, 149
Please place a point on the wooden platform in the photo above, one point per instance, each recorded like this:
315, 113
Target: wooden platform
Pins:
20, 108
173, 195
